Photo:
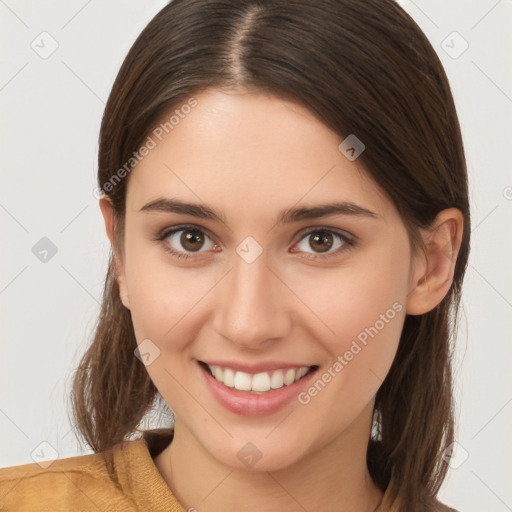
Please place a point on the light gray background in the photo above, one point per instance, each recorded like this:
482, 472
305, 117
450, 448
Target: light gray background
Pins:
51, 112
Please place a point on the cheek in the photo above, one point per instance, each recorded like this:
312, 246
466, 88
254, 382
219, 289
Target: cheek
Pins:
365, 310
164, 304
162, 296
370, 291
163, 301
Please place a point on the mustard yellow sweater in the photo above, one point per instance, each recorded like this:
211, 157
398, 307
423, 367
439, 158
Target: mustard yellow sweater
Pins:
122, 479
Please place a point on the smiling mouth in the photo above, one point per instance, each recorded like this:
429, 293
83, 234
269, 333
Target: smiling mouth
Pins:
259, 383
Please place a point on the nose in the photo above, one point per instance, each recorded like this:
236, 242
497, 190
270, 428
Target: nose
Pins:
253, 304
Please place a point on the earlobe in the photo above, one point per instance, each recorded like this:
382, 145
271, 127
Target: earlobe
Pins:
123, 293
108, 213
434, 268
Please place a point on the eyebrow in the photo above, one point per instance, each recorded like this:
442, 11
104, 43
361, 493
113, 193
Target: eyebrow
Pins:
287, 216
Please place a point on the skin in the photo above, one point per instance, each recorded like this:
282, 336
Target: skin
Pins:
250, 155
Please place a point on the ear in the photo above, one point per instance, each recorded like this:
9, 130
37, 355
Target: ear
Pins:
433, 268
107, 211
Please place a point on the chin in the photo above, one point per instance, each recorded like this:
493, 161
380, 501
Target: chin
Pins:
259, 452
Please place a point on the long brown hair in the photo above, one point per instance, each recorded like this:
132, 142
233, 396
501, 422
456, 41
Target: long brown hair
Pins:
362, 67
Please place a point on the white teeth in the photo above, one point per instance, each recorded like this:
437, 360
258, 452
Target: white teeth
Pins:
229, 377
259, 382
289, 376
242, 381
219, 373
277, 380
301, 373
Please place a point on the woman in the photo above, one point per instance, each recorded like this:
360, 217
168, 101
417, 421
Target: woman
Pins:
284, 187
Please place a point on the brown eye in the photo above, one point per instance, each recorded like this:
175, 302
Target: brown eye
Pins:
184, 241
325, 241
322, 241
191, 240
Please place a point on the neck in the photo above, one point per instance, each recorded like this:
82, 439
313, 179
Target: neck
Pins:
333, 478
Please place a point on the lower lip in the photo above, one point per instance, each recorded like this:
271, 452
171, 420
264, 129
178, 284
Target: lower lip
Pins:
248, 404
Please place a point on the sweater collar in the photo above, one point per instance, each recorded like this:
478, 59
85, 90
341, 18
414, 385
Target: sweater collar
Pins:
138, 475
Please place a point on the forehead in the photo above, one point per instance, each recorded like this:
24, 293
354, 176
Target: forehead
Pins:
248, 152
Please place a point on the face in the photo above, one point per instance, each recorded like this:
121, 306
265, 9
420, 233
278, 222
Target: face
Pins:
256, 295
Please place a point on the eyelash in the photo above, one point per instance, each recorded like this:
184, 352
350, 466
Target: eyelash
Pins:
347, 241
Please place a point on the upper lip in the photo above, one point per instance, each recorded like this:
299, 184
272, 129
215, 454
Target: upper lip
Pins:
255, 368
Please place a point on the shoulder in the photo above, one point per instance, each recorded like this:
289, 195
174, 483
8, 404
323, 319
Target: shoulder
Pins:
83, 479
121, 478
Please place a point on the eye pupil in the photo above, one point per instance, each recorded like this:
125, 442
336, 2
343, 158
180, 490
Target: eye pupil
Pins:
190, 238
322, 237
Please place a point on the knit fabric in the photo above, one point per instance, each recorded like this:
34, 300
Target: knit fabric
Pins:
124, 478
